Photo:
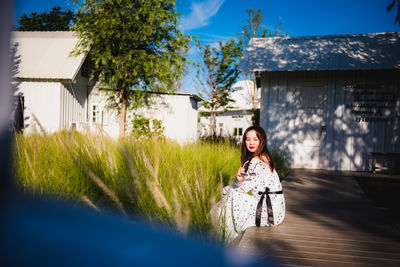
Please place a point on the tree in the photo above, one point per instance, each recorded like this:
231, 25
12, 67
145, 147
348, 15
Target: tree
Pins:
55, 20
389, 8
255, 28
217, 75
133, 44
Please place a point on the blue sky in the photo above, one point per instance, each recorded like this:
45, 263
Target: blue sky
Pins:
215, 20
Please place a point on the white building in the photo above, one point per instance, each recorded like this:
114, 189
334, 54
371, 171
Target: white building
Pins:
178, 113
238, 116
58, 95
330, 101
54, 89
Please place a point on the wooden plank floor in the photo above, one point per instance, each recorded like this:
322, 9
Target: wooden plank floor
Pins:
329, 222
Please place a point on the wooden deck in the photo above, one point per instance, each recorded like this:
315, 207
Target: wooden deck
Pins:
329, 222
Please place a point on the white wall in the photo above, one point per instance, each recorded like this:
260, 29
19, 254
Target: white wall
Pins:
245, 95
42, 100
178, 114
56, 105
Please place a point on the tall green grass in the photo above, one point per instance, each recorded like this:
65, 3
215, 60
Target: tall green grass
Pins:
158, 179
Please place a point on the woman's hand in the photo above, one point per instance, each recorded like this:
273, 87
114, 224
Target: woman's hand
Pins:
239, 175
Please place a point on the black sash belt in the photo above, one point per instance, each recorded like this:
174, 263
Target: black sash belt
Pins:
269, 206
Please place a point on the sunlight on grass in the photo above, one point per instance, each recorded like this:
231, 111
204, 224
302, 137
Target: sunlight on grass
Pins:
157, 179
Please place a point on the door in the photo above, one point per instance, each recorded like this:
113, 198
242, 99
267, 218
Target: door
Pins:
309, 127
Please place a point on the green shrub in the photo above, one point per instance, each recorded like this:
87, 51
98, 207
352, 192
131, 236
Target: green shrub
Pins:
225, 140
281, 160
144, 127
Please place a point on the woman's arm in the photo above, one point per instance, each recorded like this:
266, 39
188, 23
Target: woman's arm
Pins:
251, 179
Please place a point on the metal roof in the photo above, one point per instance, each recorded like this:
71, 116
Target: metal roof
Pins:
46, 55
333, 52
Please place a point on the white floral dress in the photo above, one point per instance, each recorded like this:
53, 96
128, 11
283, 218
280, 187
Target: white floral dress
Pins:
237, 209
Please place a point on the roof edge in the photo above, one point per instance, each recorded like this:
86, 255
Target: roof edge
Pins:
329, 36
41, 79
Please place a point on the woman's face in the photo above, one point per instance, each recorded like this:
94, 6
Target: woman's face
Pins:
252, 141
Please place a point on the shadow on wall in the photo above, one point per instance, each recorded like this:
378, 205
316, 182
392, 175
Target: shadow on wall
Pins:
18, 106
333, 120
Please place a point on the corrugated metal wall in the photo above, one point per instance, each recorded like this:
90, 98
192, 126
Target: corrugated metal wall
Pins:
73, 104
332, 119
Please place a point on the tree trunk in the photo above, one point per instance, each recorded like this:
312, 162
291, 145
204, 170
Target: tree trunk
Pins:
212, 123
122, 113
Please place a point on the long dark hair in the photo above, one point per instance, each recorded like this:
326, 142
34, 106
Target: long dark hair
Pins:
262, 149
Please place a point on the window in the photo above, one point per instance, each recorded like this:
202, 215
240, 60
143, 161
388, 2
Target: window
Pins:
99, 115
237, 131
96, 114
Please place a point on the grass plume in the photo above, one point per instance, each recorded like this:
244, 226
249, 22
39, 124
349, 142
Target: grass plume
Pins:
162, 181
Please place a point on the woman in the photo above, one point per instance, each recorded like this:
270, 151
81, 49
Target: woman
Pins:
256, 198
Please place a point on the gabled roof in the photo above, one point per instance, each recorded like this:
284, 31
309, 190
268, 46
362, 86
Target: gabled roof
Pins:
334, 52
46, 55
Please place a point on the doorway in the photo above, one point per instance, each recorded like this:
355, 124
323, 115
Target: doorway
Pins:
309, 128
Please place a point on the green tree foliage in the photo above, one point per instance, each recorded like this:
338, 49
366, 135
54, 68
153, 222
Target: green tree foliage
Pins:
55, 20
134, 44
254, 27
390, 7
216, 76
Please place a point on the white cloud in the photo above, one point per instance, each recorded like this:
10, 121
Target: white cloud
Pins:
212, 38
201, 13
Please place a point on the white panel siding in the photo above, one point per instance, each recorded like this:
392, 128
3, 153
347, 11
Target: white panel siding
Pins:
177, 115
73, 103
41, 102
348, 142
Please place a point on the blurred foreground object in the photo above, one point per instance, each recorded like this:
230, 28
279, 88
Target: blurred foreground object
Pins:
42, 233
